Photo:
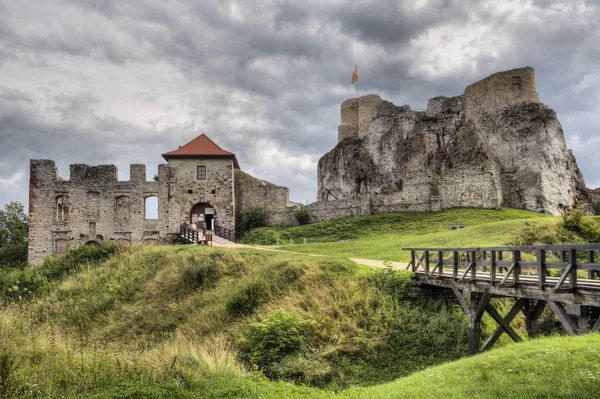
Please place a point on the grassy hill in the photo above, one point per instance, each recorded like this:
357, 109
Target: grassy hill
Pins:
383, 236
192, 322
199, 322
172, 317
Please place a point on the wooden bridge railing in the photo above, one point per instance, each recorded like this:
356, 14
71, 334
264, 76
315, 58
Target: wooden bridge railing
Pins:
476, 275
224, 232
187, 234
531, 261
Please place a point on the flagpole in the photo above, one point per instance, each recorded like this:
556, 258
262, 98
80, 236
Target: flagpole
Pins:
356, 69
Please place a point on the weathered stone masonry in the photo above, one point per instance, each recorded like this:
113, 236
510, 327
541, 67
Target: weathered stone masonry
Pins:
93, 206
495, 145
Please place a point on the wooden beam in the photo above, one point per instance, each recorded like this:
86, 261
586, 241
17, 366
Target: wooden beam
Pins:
541, 266
508, 272
502, 323
563, 317
596, 326
499, 330
566, 273
475, 312
461, 300
438, 264
454, 265
466, 271
483, 303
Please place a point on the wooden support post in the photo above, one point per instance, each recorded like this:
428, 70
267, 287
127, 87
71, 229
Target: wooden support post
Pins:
426, 265
413, 261
492, 267
441, 263
532, 314
455, 265
500, 260
596, 326
473, 265
573, 275
541, 266
476, 310
517, 271
502, 327
560, 312
590, 259
583, 320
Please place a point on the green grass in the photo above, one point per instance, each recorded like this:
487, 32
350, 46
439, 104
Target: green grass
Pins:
383, 236
195, 322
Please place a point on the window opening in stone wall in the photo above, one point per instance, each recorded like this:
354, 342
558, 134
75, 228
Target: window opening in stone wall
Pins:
516, 83
151, 208
61, 246
201, 172
62, 210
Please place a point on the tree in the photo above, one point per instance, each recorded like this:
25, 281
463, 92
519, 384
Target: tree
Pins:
14, 230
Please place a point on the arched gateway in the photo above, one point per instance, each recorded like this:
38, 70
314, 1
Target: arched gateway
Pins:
203, 212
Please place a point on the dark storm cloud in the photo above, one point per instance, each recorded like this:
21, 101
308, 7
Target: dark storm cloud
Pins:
265, 79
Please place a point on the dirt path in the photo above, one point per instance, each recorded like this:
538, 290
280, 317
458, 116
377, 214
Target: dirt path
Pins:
378, 263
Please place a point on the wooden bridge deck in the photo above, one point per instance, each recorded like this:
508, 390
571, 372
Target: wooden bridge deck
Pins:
524, 273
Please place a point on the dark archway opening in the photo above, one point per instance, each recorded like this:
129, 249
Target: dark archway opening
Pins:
203, 213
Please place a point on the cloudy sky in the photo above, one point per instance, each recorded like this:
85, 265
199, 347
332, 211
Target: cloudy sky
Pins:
95, 81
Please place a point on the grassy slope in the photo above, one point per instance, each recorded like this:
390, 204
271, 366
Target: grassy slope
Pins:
141, 324
384, 236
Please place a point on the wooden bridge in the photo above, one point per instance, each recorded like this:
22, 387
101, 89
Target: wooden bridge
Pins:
564, 277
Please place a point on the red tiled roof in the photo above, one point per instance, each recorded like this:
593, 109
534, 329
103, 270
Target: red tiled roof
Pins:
200, 146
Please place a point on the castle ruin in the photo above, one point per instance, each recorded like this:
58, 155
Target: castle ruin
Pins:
200, 182
495, 145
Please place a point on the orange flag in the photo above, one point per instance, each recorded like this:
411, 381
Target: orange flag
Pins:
355, 75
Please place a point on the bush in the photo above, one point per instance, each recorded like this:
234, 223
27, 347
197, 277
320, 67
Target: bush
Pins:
245, 301
14, 256
271, 339
398, 284
301, 215
252, 219
17, 284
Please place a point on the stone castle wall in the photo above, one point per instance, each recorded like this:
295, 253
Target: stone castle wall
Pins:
253, 193
93, 206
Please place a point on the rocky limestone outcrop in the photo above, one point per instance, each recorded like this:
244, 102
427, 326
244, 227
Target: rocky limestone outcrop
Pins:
496, 145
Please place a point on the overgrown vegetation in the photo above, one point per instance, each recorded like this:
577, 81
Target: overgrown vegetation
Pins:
315, 321
191, 322
14, 230
573, 227
301, 215
253, 218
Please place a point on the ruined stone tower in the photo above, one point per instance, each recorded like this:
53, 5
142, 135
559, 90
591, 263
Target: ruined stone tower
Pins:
495, 145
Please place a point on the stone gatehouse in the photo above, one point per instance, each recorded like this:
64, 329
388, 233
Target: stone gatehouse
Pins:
199, 182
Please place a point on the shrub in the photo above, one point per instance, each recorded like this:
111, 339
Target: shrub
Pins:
249, 298
271, 339
398, 284
301, 215
252, 219
572, 219
19, 284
